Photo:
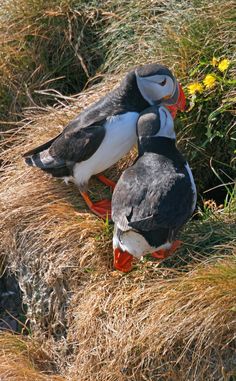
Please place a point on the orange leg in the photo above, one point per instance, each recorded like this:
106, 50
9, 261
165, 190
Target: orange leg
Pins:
101, 208
165, 253
106, 181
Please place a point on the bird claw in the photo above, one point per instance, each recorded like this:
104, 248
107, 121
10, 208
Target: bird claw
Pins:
102, 209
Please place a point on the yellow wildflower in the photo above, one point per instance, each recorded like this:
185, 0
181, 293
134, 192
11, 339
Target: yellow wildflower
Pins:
194, 88
209, 81
224, 64
214, 61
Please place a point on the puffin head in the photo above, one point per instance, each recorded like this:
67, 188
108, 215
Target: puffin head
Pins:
156, 121
158, 85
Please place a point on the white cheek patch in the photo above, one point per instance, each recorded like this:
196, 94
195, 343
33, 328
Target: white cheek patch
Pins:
169, 87
135, 244
166, 124
149, 90
155, 88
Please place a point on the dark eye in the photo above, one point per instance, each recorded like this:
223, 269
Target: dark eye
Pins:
163, 82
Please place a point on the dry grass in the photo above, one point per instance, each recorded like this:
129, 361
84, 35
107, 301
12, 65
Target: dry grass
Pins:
22, 359
45, 45
90, 38
157, 325
178, 33
55, 236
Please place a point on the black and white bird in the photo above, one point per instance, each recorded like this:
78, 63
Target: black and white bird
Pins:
104, 132
154, 197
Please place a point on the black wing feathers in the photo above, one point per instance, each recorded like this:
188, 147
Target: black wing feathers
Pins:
153, 193
59, 155
79, 145
172, 211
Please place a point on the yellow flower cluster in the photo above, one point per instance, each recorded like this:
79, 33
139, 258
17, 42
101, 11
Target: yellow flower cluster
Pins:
222, 65
194, 88
210, 79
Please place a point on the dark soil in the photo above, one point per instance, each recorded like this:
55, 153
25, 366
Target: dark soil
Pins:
12, 311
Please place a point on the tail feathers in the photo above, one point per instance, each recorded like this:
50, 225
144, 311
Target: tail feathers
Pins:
29, 161
43, 160
40, 148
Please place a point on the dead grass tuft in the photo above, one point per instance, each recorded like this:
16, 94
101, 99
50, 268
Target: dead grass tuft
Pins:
47, 233
155, 325
23, 359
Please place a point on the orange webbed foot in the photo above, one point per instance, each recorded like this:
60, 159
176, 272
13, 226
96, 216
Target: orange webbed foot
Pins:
123, 260
175, 245
165, 253
101, 208
160, 254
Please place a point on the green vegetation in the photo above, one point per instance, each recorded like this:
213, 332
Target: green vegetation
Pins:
45, 45
169, 321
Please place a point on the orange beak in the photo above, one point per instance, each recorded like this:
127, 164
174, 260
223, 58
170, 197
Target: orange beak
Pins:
180, 104
123, 260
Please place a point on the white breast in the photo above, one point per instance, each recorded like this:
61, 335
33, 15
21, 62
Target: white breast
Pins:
120, 137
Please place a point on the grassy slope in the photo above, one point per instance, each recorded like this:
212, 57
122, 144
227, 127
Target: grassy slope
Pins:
174, 322
63, 257
157, 325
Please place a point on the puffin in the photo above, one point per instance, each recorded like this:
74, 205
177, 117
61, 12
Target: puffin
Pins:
154, 197
106, 131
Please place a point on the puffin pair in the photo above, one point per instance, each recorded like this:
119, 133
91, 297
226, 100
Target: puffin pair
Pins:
154, 197
104, 132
